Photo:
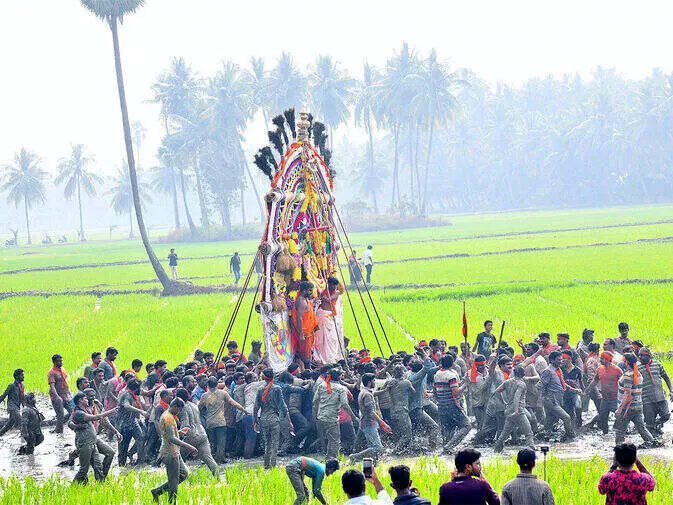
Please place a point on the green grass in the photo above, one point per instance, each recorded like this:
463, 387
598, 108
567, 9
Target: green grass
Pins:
572, 483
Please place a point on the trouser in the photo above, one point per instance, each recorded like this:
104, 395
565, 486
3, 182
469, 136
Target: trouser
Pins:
425, 425
174, 272
591, 396
176, 472
218, 442
402, 432
271, 438
656, 414
63, 409
152, 443
88, 457
622, 423
573, 407
369, 273
129, 433
607, 406
203, 453
373, 441
302, 428
455, 425
490, 428
33, 440
347, 434
536, 411
553, 411
14, 421
108, 454
250, 436
296, 476
532, 419
332, 436
515, 422
479, 412
237, 276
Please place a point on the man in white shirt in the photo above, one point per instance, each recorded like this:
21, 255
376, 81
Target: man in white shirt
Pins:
353, 484
368, 262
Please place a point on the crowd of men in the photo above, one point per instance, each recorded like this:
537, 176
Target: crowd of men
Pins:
357, 405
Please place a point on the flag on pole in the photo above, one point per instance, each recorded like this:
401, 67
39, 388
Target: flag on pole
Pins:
464, 323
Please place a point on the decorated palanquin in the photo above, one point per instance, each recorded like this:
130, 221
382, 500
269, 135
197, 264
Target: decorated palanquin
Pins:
299, 241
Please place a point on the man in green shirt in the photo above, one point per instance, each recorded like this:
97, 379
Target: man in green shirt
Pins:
299, 467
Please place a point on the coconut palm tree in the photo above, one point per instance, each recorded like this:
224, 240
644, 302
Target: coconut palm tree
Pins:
287, 85
122, 194
163, 179
331, 92
258, 81
74, 172
139, 133
24, 180
366, 110
113, 12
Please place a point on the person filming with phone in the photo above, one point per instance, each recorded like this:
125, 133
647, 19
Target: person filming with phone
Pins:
353, 484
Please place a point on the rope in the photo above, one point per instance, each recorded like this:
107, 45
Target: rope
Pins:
247, 326
348, 295
239, 301
371, 300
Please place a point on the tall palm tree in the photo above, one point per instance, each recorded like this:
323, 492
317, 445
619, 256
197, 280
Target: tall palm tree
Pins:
287, 85
366, 110
139, 133
163, 179
113, 12
24, 180
331, 92
258, 80
435, 104
74, 172
122, 194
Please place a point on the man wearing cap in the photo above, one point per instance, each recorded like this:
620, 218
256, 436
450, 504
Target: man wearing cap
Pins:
297, 468
655, 403
607, 377
631, 404
525, 488
623, 339
552, 387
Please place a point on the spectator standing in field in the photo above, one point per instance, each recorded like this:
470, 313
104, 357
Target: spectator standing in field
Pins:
59, 392
368, 262
353, 484
96, 358
173, 263
235, 267
468, 485
108, 365
297, 468
485, 340
623, 485
400, 481
14, 395
526, 489
31, 425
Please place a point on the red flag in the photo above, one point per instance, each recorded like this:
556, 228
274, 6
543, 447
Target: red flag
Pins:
464, 323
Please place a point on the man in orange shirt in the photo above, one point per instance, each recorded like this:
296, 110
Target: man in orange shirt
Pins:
304, 321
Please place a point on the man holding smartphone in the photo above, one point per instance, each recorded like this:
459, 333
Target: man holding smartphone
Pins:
623, 484
353, 484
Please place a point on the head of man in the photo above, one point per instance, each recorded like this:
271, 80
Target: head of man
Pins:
609, 345
623, 330
331, 466
398, 371
467, 462
332, 284
256, 345
176, 406
488, 326
172, 251
435, 345
555, 359
447, 361
160, 366
480, 363
29, 399
594, 347
645, 356
353, 483
189, 382
631, 359
90, 394
267, 374
133, 386
626, 455
98, 375
566, 358
306, 289
544, 339
198, 355
526, 460
82, 383
368, 380
505, 364
81, 401
111, 354
96, 358
136, 365
519, 372
587, 335
181, 393
530, 349
57, 360
606, 358
400, 478
18, 375
562, 340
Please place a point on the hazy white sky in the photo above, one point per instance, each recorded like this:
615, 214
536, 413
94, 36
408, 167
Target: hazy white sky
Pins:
58, 82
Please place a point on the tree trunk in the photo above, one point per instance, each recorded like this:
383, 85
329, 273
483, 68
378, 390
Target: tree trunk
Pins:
79, 202
227, 217
242, 207
190, 222
174, 189
25, 207
368, 127
424, 199
412, 177
395, 182
199, 191
131, 222
158, 268
416, 169
262, 213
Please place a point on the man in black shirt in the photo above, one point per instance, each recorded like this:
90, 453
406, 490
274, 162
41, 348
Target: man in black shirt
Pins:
14, 395
173, 263
485, 340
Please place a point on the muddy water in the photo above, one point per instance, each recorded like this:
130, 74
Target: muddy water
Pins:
55, 449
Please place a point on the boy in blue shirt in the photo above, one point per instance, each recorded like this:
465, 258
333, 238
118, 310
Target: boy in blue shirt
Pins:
298, 467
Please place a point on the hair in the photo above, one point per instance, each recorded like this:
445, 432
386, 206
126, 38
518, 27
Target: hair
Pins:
630, 358
249, 377
519, 371
586, 332
526, 458
305, 286
447, 361
415, 365
534, 346
268, 373
172, 382
553, 355
177, 403
133, 385
79, 396
367, 379
503, 360
17, 372
594, 346
353, 483
149, 367
544, 334
229, 380
400, 477
182, 393
111, 350
165, 393
332, 464
55, 356
332, 281
78, 382
610, 341
487, 322
136, 363
232, 344
563, 335
94, 355
256, 343
433, 342
626, 454
623, 327
212, 383
466, 457
335, 373
239, 375
159, 363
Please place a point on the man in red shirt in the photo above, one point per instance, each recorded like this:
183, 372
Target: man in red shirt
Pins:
59, 392
607, 376
622, 484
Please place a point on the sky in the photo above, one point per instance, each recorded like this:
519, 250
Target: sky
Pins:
58, 85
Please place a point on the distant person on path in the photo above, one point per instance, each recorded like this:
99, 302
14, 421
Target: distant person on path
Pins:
368, 262
31, 425
297, 468
468, 485
353, 484
176, 471
354, 269
14, 395
59, 392
400, 481
623, 485
173, 263
235, 267
526, 489
485, 340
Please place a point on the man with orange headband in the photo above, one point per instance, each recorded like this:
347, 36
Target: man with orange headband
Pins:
630, 408
476, 388
655, 403
607, 377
